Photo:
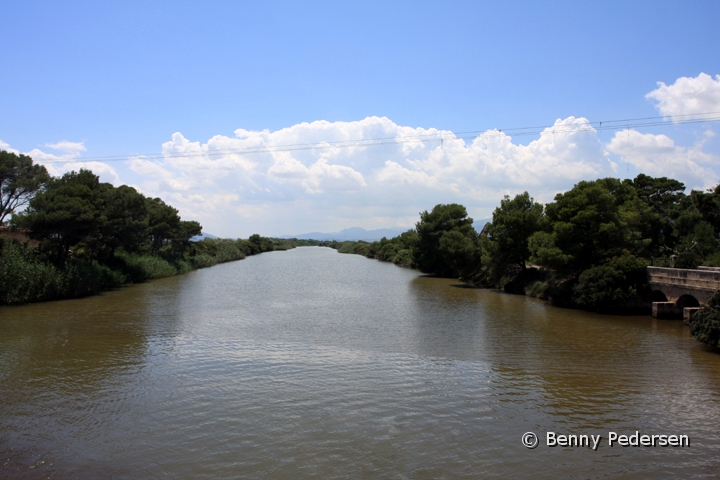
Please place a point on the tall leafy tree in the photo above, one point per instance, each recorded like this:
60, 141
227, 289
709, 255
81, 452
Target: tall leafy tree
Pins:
126, 215
513, 223
598, 232
163, 223
185, 231
260, 244
591, 223
685, 226
662, 194
460, 251
707, 205
69, 211
666, 199
167, 232
20, 180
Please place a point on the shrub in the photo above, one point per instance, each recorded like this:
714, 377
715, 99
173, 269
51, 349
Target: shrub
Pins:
27, 277
712, 260
228, 251
403, 258
705, 324
608, 286
346, 247
538, 289
203, 261
24, 277
139, 268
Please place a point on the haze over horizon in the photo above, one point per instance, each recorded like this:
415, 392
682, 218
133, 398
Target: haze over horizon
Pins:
315, 117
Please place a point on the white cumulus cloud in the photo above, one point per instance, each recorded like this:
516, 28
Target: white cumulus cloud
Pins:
59, 164
374, 173
688, 96
332, 175
659, 156
6, 146
72, 148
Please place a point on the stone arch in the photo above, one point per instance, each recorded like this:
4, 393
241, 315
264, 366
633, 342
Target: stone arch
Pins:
658, 296
687, 301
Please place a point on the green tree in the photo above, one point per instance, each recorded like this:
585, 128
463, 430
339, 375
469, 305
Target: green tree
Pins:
707, 205
444, 259
167, 232
69, 211
693, 227
661, 194
506, 238
181, 238
598, 235
261, 244
20, 180
590, 224
398, 249
460, 250
612, 284
163, 223
386, 250
666, 200
408, 239
126, 220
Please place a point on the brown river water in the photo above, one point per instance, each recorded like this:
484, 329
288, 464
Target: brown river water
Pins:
313, 364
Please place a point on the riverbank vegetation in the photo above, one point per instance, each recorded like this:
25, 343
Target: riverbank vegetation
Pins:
29, 275
705, 324
83, 236
588, 249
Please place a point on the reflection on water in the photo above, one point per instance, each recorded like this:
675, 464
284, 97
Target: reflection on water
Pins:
311, 363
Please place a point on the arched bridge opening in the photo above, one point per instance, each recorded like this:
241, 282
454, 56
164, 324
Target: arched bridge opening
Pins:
684, 290
687, 301
658, 296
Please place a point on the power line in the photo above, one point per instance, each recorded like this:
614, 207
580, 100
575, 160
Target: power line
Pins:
440, 136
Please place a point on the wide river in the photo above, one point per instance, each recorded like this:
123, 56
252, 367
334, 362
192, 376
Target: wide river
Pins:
313, 364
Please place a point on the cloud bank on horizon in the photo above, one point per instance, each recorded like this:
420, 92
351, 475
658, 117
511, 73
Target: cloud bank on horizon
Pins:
323, 184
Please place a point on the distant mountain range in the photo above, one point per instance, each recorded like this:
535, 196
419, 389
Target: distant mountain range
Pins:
354, 234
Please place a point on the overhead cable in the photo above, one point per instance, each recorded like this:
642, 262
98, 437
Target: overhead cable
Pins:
439, 136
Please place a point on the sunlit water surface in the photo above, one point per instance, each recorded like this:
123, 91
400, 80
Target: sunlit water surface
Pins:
309, 363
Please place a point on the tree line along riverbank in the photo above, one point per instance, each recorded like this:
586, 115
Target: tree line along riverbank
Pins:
79, 236
587, 249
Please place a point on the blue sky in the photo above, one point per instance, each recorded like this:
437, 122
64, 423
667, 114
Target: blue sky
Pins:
85, 80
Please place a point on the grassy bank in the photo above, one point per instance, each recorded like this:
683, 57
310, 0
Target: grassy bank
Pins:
27, 276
